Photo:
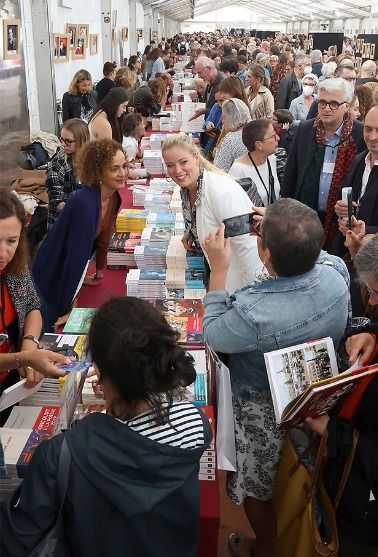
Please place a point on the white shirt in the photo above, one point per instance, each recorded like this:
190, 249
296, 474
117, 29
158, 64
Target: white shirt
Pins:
242, 170
366, 174
130, 145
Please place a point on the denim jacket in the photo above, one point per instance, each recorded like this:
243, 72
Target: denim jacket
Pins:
275, 314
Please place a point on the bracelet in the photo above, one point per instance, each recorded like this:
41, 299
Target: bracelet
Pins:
18, 364
33, 339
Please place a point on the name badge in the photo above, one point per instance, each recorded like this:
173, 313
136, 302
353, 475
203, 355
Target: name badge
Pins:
328, 167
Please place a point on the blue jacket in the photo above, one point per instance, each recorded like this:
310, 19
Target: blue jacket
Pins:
62, 257
127, 495
275, 314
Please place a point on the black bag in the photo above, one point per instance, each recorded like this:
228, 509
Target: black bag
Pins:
182, 49
32, 156
53, 543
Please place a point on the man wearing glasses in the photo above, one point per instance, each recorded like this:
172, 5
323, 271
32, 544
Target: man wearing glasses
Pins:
322, 151
206, 70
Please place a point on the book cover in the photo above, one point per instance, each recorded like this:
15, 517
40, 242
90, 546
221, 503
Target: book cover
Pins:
69, 345
182, 308
304, 380
291, 370
79, 321
35, 438
33, 417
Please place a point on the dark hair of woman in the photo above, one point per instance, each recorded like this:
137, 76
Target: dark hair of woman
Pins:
158, 88
11, 206
147, 50
254, 131
133, 60
365, 99
93, 158
154, 54
135, 349
234, 87
110, 105
130, 123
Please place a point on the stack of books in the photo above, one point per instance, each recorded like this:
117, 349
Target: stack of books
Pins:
121, 249
153, 162
186, 278
186, 317
151, 256
19, 446
176, 205
176, 254
158, 202
131, 220
208, 461
139, 194
163, 185
157, 140
172, 221
153, 236
146, 283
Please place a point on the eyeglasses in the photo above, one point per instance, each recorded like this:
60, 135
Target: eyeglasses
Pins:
350, 78
203, 69
333, 105
270, 137
67, 141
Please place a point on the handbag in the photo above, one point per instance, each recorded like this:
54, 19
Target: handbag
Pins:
53, 543
305, 514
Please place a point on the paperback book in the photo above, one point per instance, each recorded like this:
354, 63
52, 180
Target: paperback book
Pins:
304, 380
79, 321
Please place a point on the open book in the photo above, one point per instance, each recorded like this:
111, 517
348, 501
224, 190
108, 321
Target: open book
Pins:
305, 382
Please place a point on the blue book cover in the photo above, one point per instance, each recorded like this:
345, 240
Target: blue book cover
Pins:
152, 274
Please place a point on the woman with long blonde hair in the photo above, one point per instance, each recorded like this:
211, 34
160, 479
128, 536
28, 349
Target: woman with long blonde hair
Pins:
209, 196
79, 101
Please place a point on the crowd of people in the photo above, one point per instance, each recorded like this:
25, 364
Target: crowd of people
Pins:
286, 130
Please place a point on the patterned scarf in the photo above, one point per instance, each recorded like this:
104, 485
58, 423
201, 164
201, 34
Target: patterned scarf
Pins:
346, 152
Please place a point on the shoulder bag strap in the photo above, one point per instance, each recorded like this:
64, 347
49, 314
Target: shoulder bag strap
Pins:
347, 469
63, 472
318, 465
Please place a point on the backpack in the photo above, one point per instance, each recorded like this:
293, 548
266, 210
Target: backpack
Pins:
182, 48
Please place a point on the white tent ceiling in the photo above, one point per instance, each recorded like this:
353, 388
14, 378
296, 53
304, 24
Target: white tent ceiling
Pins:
276, 10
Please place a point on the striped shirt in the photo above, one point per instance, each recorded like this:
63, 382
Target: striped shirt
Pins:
184, 429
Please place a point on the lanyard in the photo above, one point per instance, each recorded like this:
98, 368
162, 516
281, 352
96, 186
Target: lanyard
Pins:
2, 309
271, 196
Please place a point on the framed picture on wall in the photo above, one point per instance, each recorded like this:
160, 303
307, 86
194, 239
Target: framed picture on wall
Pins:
93, 44
139, 34
125, 33
372, 51
11, 38
366, 50
78, 53
71, 30
83, 31
61, 47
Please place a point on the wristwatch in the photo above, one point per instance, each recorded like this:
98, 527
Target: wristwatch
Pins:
34, 339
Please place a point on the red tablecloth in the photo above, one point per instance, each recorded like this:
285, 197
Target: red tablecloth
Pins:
114, 284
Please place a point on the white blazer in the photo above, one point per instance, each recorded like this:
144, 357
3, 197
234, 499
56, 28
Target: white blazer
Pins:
222, 198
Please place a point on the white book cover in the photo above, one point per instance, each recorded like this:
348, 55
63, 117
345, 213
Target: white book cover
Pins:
13, 441
16, 393
293, 369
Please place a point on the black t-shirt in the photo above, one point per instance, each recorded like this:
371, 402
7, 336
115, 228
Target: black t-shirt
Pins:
103, 87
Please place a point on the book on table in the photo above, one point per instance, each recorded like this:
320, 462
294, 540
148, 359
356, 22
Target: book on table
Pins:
79, 321
304, 380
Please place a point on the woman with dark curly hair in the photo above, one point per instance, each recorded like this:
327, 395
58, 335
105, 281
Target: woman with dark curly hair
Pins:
85, 226
134, 470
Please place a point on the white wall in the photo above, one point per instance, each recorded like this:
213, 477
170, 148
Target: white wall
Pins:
82, 12
31, 76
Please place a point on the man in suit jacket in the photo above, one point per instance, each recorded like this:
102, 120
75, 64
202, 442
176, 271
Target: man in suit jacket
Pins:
363, 179
291, 87
322, 151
